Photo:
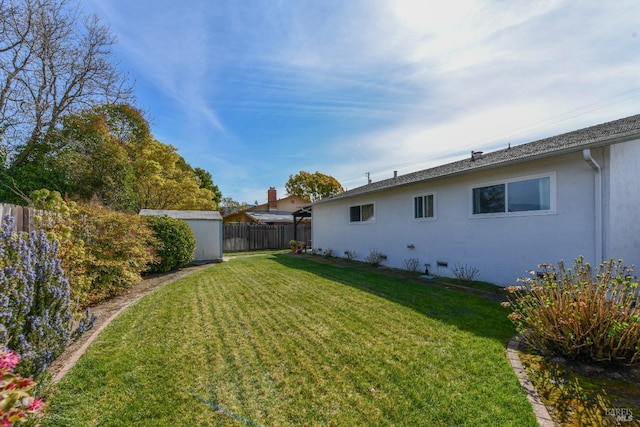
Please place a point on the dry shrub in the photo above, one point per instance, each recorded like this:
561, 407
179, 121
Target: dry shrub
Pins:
350, 255
375, 258
580, 313
465, 273
411, 264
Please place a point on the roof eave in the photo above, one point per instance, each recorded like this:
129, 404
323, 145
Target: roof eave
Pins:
561, 151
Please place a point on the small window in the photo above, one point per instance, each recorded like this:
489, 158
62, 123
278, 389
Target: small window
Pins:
423, 207
361, 213
488, 199
526, 195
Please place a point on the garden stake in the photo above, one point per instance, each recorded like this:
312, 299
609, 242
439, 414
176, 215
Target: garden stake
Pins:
221, 409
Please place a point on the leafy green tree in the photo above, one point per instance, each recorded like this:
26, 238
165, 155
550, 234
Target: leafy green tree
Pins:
205, 181
165, 181
97, 154
108, 153
229, 206
312, 186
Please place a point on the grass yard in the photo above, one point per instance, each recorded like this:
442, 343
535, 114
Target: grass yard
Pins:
279, 340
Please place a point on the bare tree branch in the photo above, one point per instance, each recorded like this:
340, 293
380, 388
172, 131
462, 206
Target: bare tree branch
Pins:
53, 62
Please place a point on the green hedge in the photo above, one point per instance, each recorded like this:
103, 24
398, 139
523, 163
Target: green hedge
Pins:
177, 244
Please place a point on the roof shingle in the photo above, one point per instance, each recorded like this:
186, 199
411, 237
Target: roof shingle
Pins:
608, 133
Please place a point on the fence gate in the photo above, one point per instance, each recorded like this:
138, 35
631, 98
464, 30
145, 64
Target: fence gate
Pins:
251, 237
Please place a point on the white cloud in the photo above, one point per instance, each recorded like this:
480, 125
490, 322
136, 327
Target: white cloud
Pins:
390, 84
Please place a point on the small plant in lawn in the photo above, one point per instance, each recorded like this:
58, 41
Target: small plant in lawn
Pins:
328, 253
580, 313
375, 258
350, 255
17, 405
411, 264
465, 273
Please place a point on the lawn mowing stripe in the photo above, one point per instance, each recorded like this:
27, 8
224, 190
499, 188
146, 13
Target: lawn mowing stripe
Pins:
345, 328
349, 340
284, 346
218, 408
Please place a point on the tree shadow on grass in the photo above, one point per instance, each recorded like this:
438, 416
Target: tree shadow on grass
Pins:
468, 312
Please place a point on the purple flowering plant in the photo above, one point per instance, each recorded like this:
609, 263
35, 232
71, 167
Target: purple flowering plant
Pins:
36, 314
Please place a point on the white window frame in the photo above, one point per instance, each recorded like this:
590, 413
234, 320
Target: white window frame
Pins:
360, 205
506, 182
413, 207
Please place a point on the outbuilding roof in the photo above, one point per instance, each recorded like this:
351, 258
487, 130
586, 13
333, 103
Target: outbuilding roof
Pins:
270, 216
616, 131
207, 215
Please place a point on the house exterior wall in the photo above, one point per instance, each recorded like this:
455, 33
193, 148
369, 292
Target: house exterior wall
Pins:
237, 218
287, 204
208, 234
290, 204
502, 248
623, 230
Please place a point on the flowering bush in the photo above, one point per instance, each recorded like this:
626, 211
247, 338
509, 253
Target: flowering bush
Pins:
17, 405
580, 313
35, 308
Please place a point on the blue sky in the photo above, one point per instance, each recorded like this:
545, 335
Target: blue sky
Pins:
256, 90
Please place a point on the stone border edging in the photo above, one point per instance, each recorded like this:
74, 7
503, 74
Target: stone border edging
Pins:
544, 419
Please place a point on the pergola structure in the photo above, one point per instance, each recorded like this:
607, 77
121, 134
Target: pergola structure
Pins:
298, 216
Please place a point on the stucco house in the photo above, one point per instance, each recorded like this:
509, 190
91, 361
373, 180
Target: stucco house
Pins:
274, 212
502, 212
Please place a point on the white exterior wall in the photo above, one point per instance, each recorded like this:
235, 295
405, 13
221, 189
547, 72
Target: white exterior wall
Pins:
208, 234
502, 248
623, 231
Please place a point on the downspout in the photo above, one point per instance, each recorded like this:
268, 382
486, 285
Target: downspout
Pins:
586, 153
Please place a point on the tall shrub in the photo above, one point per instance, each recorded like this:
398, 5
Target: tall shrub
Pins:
62, 221
120, 246
35, 307
104, 251
176, 243
580, 313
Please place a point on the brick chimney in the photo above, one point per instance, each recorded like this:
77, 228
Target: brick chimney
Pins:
272, 198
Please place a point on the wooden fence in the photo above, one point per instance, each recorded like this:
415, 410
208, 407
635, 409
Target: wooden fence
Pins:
236, 237
23, 216
249, 237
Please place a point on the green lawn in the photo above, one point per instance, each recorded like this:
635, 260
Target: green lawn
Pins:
280, 340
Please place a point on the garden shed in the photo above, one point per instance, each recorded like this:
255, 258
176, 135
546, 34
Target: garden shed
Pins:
206, 227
